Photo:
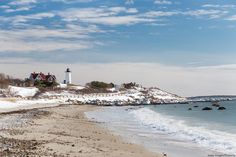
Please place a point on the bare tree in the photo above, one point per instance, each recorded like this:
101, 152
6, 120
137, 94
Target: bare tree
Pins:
4, 80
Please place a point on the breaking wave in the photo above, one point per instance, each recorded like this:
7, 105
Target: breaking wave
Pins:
211, 139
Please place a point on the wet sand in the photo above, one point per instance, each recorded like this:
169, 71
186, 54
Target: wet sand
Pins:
62, 131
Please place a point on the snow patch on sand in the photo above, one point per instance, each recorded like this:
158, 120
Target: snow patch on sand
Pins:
22, 91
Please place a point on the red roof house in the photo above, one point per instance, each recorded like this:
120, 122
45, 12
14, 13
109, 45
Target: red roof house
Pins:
42, 77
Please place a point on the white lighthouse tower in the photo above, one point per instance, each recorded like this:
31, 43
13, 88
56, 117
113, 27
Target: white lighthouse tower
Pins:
67, 76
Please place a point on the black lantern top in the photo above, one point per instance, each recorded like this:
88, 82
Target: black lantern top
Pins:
68, 70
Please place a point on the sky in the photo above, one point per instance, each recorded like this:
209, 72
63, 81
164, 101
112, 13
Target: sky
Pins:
183, 46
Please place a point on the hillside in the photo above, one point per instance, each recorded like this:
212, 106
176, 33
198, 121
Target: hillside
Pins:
136, 95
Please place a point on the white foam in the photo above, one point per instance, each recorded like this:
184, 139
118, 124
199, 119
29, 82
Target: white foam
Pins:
210, 139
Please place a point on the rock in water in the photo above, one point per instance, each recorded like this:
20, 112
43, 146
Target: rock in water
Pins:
207, 108
221, 108
216, 104
189, 109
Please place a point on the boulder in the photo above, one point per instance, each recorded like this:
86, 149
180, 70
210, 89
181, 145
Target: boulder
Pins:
221, 108
207, 108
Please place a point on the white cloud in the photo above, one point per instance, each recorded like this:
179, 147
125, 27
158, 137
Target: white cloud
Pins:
22, 2
74, 14
132, 10
118, 20
152, 14
4, 7
41, 33
104, 15
53, 38
204, 13
22, 46
109, 15
122, 13
231, 67
118, 10
81, 13
211, 13
37, 16
73, 1
231, 18
21, 19
18, 9
40, 39
218, 6
129, 2
20, 5
162, 2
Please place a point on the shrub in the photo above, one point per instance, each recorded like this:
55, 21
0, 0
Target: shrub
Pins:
129, 85
100, 85
45, 84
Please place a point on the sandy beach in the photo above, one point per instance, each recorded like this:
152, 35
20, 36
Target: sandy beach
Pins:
62, 131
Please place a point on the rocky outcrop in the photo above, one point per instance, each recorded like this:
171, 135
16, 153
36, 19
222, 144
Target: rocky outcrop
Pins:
221, 108
207, 108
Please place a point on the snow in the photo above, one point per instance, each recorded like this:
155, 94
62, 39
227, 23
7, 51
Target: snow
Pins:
111, 89
62, 85
77, 87
136, 95
22, 91
159, 94
7, 104
11, 104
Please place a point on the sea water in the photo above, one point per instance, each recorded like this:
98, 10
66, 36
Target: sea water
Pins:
174, 129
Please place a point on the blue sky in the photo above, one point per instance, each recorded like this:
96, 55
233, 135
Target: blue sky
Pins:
175, 33
185, 32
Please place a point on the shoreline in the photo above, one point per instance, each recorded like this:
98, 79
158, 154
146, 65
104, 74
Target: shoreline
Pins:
118, 121
64, 131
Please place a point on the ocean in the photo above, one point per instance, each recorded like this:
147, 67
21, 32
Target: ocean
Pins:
174, 129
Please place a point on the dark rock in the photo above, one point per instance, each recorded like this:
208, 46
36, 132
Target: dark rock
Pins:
207, 108
216, 105
195, 106
221, 108
189, 109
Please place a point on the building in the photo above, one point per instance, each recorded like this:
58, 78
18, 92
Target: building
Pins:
42, 77
50, 78
67, 76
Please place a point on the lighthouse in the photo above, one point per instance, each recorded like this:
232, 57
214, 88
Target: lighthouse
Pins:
67, 76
